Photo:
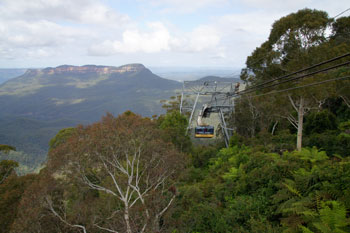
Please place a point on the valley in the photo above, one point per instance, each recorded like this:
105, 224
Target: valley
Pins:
40, 102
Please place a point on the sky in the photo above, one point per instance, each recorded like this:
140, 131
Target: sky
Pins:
158, 33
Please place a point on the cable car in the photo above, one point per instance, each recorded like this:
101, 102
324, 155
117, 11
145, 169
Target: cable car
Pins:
204, 131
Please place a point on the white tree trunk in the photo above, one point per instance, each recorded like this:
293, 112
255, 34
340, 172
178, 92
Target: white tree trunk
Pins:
300, 109
127, 220
300, 123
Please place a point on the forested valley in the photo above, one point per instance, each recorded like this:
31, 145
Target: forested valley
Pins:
287, 168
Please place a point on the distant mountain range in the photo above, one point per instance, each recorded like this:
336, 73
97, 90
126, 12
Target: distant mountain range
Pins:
84, 92
219, 79
37, 104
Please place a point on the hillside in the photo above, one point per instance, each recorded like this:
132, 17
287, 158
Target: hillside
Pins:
37, 104
84, 93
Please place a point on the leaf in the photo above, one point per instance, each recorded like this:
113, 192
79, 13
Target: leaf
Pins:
306, 230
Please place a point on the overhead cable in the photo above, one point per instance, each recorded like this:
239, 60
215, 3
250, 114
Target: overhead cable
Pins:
296, 72
307, 85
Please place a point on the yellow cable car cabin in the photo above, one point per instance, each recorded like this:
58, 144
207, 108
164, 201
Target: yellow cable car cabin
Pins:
204, 131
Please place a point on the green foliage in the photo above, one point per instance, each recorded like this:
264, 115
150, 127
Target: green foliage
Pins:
171, 105
333, 218
311, 155
319, 122
175, 126
6, 148
247, 190
62, 136
340, 30
296, 41
201, 155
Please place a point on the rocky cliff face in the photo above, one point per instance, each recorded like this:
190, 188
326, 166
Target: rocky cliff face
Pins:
86, 69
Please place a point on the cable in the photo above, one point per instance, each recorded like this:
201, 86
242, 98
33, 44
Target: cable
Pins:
299, 71
341, 13
298, 77
307, 85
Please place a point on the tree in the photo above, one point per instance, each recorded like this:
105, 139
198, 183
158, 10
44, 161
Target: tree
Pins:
296, 41
175, 126
62, 136
6, 148
7, 166
127, 162
341, 30
11, 192
171, 105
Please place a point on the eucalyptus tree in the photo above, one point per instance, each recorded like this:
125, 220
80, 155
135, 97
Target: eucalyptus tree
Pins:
126, 159
296, 41
340, 40
117, 175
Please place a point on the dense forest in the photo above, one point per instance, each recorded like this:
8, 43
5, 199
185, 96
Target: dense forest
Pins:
287, 168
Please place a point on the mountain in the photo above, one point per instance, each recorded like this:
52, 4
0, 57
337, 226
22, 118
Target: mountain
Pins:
84, 92
220, 79
37, 104
192, 73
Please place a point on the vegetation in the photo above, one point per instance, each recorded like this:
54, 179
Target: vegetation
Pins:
135, 174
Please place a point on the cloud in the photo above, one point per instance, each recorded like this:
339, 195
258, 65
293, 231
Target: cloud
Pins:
41, 33
158, 39
79, 11
288, 6
46, 28
202, 38
64, 31
184, 6
133, 41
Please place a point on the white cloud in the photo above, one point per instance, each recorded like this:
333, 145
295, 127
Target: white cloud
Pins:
158, 39
65, 31
288, 6
79, 11
53, 27
43, 33
185, 6
203, 37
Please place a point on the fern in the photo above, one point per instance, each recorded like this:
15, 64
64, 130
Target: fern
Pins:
305, 229
318, 201
289, 185
332, 217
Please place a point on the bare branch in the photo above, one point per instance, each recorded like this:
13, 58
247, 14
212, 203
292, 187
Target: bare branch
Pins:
49, 202
105, 229
167, 207
122, 197
292, 102
274, 127
346, 101
293, 121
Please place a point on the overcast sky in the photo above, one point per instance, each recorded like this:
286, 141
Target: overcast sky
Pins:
163, 33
